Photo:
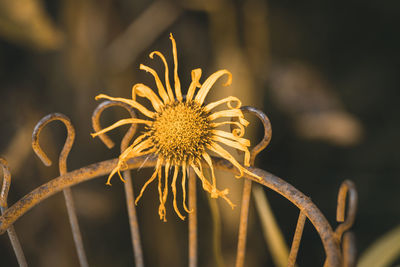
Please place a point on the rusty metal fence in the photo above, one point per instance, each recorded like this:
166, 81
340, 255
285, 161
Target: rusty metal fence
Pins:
339, 243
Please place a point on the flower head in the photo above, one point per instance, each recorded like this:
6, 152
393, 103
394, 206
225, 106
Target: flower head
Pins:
182, 131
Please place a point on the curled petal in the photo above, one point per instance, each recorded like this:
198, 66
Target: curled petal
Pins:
207, 186
243, 141
167, 83
239, 132
145, 91
205, 88
228, 99
229, 113
196, 75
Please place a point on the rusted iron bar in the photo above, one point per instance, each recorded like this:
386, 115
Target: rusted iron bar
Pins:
192, 220
19, 253
296, 239
269, 180
130, 199
349, 250
244, 217
245, 204
347, 190
346, 239
69, 202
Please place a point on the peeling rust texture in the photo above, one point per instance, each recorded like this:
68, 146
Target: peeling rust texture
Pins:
305, 205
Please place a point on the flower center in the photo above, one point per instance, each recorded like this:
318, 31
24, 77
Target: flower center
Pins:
181, 131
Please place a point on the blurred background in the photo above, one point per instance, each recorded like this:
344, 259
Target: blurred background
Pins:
325, 72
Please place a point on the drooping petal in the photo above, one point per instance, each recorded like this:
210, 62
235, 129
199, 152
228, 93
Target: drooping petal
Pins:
167, 83
173, 186
207, 186
184, 170
178, 91
196, 75
149, 181
226, 155
145, 91
231, 113
205, 88
160, 86
142, 148
119, 123
161, 207
228, 99
207, 158
236, 145
132, 103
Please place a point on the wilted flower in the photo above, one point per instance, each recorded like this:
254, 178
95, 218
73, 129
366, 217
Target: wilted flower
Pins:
182, 130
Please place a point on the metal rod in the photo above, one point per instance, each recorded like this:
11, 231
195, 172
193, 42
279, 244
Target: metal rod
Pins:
244, 215
347, 190
73, 219
244, 212
19, 253
130, 199
192, 220
16, 245
296, 239
269, 180
133, 222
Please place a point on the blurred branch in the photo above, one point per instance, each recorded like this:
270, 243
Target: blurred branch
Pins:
271, 230
140, 34
26, 22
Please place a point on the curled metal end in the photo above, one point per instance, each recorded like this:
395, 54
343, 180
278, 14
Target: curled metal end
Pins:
68, 143
6, 183
347, 191
96, 123
267, 131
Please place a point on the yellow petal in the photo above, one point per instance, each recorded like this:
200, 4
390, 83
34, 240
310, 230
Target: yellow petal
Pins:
132, 103
236, 145
119, 123
173, 186
243, 141
167, 83
237, 132
205, 88
196, 75
232, 113
145, 91
152, 178
226, 155
160, 86
178, 91
184, 170
207, 186
228, 99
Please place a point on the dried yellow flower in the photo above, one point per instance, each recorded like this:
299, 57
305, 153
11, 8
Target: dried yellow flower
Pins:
182, 131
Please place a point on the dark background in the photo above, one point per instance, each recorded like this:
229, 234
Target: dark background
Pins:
325, 72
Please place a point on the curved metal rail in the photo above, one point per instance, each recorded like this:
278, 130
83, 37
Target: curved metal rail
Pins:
304, 204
